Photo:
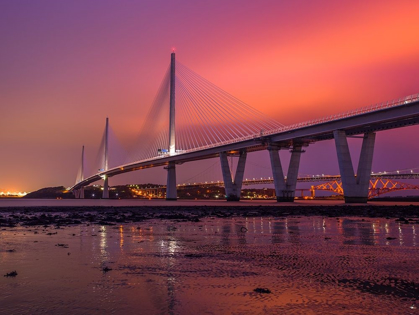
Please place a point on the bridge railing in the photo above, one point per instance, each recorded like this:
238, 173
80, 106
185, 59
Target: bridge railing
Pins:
350, 113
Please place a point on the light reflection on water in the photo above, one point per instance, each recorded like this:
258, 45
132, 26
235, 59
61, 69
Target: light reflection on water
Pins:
312, 265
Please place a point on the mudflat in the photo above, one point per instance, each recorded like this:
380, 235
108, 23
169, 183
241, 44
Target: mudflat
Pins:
105, 214
209, 259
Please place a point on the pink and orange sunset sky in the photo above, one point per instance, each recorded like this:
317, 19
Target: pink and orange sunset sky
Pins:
67, 65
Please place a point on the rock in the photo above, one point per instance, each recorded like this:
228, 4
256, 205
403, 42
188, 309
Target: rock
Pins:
11, 274
262, 290
62, 245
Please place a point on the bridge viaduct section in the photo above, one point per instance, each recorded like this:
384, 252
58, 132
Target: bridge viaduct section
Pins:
285, 187
355, 187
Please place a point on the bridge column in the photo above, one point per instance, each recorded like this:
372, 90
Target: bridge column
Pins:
81, 193
355, 188
312, 192
105, 193
285, 189
292, 174
171, 193
277, 173
233, 189
76, 193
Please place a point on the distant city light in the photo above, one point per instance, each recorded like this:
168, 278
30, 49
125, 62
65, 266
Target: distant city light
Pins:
13, 194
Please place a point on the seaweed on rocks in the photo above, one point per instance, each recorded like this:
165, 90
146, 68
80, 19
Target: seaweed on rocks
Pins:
67, 216
262, 290
11, 274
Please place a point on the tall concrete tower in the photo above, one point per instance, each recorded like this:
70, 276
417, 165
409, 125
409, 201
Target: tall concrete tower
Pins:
81, 196
171, 193
172, 145
105, 194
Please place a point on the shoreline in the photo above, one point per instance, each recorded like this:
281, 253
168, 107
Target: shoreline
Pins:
112, 215
121, 203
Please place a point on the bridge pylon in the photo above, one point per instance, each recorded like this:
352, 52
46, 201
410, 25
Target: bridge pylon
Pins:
105, 194
355, 188
285, 188
233, 188
79, 193
171, 193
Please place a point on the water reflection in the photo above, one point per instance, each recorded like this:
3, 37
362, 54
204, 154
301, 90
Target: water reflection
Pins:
241, 233
103, 243
280, 231
294, 232
353, 231
169, 248
321, 264
225, 234
121, 237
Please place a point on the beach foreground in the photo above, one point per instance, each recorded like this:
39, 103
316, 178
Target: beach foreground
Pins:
211, 265
208, 259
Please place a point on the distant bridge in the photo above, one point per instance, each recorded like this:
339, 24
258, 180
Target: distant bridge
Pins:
380, 184
312, 178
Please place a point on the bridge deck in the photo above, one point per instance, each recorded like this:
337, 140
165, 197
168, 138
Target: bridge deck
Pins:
395, 116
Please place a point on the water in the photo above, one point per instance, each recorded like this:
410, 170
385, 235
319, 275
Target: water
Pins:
311, 265
23, 202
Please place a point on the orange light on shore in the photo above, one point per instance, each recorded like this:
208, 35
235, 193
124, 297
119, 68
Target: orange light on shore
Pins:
12, 194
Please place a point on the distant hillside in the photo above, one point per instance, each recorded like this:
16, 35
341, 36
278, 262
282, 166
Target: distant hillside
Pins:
51, 193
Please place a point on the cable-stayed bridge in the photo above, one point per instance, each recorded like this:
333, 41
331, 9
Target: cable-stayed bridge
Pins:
192, 119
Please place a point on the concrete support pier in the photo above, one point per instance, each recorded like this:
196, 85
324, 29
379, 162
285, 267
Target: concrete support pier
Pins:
285, 189
355, 188
79, 193
105, 194
171, 192
233, 188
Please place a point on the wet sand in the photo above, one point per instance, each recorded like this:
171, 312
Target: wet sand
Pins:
218, 265
198, 257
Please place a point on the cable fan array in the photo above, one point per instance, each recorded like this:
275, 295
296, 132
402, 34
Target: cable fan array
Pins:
154, 134
205, 116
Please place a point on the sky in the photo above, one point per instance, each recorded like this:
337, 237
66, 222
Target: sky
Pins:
67, 65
